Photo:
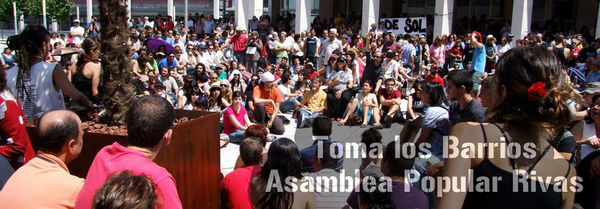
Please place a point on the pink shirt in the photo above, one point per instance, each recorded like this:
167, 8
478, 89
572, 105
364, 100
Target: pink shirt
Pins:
116, 158
227, 124
439, 53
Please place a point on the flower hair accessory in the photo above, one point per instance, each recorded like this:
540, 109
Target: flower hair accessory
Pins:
536, 91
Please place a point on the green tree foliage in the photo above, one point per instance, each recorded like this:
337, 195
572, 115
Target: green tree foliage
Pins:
55, 9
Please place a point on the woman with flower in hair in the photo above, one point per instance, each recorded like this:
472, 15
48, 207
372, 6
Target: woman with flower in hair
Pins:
529, 99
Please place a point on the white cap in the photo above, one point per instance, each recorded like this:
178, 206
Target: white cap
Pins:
267, 77
333, 30
490, 36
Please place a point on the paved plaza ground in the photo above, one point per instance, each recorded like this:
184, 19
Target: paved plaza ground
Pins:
303, 138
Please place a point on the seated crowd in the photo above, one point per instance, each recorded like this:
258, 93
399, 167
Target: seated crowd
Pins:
524, 95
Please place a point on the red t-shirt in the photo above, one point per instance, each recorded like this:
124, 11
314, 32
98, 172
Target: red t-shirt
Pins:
395, 94
238, 42
436, 79
236, 185
169, 25
314, 74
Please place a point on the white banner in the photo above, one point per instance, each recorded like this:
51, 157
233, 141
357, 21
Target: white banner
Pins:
410, 25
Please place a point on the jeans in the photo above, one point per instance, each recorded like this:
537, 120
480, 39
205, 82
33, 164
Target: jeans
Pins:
287, 105
476, 76
307, 118
239, 56
236, 136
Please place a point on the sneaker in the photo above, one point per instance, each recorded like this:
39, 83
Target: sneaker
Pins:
224, 139
388, 121
300, 121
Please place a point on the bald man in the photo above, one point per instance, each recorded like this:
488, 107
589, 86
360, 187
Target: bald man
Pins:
45, 181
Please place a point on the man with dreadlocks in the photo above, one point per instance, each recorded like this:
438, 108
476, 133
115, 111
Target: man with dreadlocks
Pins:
38, 85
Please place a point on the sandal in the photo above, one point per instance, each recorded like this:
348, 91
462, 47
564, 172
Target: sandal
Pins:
363, 125
342, 123
378, 126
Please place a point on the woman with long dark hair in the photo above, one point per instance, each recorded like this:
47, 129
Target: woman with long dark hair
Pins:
436, 121
86, 72
340, 89
39, 86
530, 98
283, 163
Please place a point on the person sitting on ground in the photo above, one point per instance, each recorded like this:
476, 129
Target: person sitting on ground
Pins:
236, 184
371, 164
366, 106
283, 165
390, 99
147, 135
394, 165
290, 97
262, 134
235, 119
313, 104
376, 199
463, 107
340, 91
125, 190
45, 181
328, 194
266, 104
321, 131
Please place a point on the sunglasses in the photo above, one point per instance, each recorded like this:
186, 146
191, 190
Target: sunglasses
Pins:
377, 57
215, 78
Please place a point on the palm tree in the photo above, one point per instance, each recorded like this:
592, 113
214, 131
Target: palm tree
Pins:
118, 90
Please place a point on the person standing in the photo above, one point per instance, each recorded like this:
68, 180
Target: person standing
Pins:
147, 135
77, 33
238, 43
38, 84
479, 59
311, 47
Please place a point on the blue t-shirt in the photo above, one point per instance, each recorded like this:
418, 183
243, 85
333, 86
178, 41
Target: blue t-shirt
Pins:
164, 63
437, 119
307, 156
592, 77
478, 62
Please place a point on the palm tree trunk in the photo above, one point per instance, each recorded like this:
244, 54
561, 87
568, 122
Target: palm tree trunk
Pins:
118, 90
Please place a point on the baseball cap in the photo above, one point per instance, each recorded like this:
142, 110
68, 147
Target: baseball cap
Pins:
225, 82
76, 21
267, 77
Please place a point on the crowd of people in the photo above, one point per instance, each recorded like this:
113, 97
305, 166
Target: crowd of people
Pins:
479, 88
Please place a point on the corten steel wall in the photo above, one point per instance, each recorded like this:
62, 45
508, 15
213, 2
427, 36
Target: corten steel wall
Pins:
192, 157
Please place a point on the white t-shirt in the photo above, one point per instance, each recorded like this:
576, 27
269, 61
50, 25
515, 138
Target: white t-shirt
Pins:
389, 71
77, 39
284, 90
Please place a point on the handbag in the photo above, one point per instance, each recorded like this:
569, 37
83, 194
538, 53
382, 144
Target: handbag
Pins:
354, 120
